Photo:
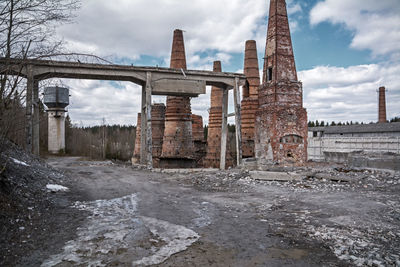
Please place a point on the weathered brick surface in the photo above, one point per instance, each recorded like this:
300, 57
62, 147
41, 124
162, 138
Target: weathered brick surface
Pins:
197, 128
281, 121
251, 69
213, 150
157, 130
249, 103
177, 140
198, 139
382, 105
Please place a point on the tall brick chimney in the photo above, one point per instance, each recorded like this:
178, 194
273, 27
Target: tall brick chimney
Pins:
213, 150
281, 121
382, 105
177, 147
249, 103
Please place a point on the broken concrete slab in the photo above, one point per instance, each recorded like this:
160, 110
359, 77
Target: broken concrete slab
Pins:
275, 176
333, 178
190, 170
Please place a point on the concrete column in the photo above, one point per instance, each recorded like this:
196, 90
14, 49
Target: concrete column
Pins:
28, 109
36, 121
236, 96
224, 130
149, 135
56, 139
143, 127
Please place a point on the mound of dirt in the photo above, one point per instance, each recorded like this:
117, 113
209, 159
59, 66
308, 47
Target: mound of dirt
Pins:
31, 215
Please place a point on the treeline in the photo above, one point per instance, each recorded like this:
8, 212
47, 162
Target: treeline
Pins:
333, 123
115, 142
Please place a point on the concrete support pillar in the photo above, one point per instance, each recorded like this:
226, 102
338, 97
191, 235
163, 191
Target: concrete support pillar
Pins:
149, 134
36, 122
143, 128
224, 129
56, 138
146, 156
28, 109
236, 97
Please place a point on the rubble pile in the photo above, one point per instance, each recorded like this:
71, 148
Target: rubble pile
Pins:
28, 208
216, 181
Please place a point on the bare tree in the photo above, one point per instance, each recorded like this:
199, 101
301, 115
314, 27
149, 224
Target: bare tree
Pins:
27, 30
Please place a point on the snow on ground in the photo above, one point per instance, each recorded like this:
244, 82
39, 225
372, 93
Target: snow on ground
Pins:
56, 188
115, 234
20, 162
176, 237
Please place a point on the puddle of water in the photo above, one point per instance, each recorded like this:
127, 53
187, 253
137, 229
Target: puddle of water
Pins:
115, 235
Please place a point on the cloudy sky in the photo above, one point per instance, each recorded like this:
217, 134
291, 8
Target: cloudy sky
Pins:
344, 51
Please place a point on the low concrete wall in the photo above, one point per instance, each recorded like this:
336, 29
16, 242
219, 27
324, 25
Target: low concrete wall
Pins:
337, 148
373, 160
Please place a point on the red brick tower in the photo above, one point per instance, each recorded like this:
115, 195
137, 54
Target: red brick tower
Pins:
157, 130
213, 150
281, 121
382, 105
177, 148
198, 139
249, 104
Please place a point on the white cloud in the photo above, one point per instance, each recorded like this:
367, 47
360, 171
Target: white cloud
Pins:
349, 94
376, 24
133, 28
91, 101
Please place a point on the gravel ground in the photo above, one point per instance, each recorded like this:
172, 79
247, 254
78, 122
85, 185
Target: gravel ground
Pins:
119, 215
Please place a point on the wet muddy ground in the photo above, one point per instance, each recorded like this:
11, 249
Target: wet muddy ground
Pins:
134, 217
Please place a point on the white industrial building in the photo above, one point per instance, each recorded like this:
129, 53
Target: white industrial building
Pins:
335, 143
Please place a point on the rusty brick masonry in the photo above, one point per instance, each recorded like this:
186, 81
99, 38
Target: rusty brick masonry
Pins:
157, 130
382, 105
177, 147
249, 104
198, 139
213, 150
281, 121
197, 128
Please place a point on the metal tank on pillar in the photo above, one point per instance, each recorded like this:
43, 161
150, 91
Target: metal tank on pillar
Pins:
56, 99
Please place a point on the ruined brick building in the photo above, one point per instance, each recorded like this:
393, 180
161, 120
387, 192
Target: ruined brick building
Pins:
281, 121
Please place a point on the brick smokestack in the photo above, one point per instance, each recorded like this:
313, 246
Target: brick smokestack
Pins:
249, 103
251, 68
382, 105
281, 120
213, 150
177, 141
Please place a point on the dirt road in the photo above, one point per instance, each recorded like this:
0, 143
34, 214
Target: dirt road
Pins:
139, 217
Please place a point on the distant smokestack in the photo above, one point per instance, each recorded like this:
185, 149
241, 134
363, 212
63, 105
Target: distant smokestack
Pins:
382, 105
251, 69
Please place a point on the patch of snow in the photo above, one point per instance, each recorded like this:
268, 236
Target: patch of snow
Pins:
20, 162
114, 234
176, 237
56, 188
